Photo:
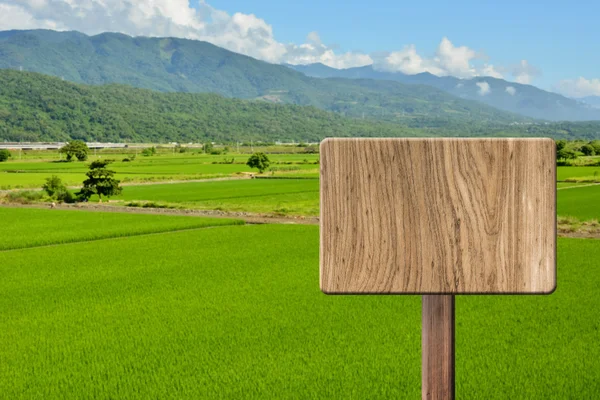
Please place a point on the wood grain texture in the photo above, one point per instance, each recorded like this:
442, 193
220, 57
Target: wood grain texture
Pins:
438, 216
437, 373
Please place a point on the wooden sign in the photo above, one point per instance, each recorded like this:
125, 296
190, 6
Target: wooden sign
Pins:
438, 216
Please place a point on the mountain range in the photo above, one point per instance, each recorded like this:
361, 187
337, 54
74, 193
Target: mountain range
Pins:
37, 107
513, 97
593, 101
181, 65
365, 101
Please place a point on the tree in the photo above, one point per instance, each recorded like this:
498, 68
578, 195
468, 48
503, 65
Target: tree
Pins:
596, 145
57, 190
208, 147
588, 150
75, 148
566, 154
4, 155
53, 186
260, 161
100, 181
150, 151
560, 144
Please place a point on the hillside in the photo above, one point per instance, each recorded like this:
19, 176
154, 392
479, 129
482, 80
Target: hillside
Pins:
36, 107
509, 96
179, 65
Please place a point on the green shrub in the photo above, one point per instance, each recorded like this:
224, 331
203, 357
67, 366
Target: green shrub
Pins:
4, 155
53, 186
25, 196
57, 190
150, 151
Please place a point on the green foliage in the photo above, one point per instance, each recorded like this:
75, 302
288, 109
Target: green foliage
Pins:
566, 154
51, 109
4, 155
24, 197
259, 161
149, 151
57, 190
207, 147
100, 182
75, 148
53, 185
588, 150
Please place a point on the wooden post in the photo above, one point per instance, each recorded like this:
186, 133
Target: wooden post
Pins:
437, 374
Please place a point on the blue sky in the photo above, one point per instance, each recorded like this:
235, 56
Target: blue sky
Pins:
553, 45
560, 38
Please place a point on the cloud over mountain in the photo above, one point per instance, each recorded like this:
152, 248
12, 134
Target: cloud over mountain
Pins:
242, 33
580, 87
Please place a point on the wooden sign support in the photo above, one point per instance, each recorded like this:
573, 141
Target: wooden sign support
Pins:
437, 372
438, 217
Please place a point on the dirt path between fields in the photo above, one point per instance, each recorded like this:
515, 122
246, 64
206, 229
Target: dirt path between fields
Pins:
579, 235
250, 218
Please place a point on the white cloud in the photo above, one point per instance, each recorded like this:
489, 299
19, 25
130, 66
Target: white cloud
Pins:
579, 87
242, 33
15, 17
524, 72
458, 61
490, 70
511, 90
454, 60
408, 61
484, 88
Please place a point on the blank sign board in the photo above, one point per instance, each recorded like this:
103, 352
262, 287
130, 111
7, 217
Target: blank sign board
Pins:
438, 216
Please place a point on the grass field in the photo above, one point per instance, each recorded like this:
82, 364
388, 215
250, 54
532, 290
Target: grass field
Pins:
32, 173
564, 173
27, 227
288, 196
236, 312
581, 202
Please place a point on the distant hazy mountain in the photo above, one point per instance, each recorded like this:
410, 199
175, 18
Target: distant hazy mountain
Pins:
522, 99
593, 101
179, 65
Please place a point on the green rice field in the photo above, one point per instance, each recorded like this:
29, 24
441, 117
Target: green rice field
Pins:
293, 196
32, 173
30, 227
236, 312
564, 173
580, 202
